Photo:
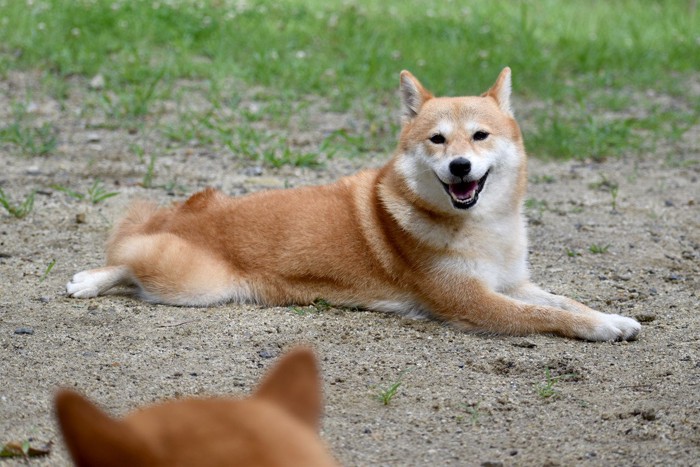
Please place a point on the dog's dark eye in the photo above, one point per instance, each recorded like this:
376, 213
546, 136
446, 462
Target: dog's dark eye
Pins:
437, 139
480, 136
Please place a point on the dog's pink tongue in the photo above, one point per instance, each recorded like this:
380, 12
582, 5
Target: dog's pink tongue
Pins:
463, 191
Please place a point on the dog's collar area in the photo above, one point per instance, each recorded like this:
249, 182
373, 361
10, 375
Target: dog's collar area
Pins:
464, 195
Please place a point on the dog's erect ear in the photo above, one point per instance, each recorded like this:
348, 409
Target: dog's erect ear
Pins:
500, 91
413, 95
95, 439
294, 385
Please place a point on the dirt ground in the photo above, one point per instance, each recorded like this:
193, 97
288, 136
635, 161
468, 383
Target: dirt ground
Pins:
464, 399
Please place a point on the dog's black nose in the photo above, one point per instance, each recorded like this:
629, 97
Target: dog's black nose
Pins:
460, 167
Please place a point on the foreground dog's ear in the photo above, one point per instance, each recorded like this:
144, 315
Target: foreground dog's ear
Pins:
500, 91
413, 95
95, 439
294, 385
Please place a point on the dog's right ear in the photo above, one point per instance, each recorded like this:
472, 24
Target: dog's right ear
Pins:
413, 95
94, 438
294, 384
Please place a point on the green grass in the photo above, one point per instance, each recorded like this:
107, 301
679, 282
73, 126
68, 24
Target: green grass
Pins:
24, 449
571, 253
610, 186
575, 134
535, 209
318, 306
310, 45
287, 156
474, 413
18, 211
598, 249
29, 138
546, 389
585, 59
50, 266
96, 193
386, 395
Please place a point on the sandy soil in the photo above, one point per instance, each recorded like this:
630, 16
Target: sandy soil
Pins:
464, 399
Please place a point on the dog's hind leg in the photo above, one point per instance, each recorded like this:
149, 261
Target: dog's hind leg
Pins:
169, 269
93, 282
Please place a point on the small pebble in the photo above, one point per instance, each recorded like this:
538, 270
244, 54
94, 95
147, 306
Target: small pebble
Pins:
525, 344
645, 317
668, 203
27, 331
265, 353
255, 171
97, 82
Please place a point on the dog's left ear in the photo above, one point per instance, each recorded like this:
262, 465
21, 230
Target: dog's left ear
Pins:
500, 92
96, 439
413, 95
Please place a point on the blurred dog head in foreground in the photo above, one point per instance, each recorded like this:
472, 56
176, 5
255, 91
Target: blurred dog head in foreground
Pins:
276, 426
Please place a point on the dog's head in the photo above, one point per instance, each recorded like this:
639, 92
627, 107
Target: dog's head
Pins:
455, 150
275, 427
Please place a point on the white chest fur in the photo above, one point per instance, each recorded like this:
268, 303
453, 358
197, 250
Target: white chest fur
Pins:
492, 250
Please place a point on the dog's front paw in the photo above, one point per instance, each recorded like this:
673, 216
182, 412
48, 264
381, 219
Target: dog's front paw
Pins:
613, 328
83, 285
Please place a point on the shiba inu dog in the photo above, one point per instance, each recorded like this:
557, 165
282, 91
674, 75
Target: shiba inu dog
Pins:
438, 231
275, 427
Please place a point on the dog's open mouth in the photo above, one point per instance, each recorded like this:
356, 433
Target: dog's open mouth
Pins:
465, 194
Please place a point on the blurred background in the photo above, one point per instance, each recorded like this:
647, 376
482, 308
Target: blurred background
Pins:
592, 79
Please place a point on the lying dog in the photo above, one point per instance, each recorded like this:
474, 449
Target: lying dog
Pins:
437, 231
275, 427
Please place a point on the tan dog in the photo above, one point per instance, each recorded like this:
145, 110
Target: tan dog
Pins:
275, 427
438, 231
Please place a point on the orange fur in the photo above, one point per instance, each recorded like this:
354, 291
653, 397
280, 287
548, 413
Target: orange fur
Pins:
412, 237
274, 427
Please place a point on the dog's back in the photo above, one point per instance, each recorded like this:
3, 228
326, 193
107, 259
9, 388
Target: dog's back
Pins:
275, 427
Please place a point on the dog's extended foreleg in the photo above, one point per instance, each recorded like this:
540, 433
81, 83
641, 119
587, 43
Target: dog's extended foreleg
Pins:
532, 294
472, 305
